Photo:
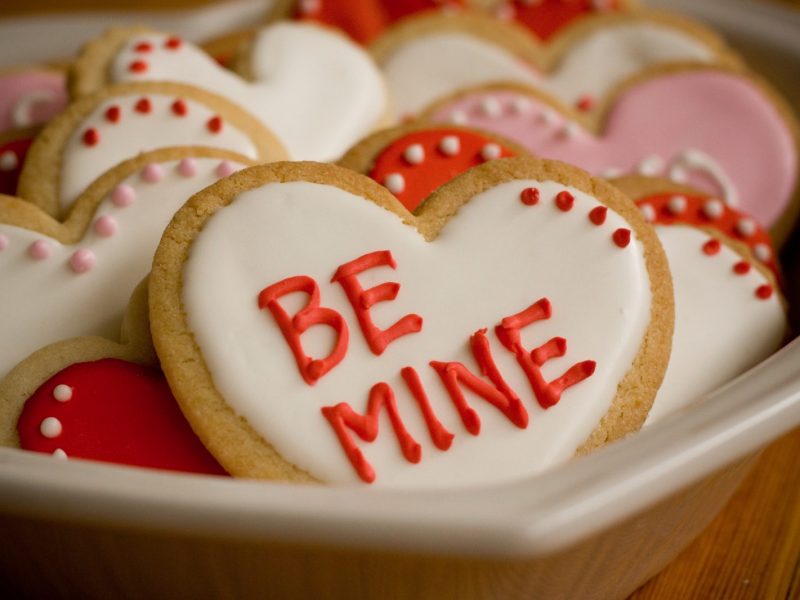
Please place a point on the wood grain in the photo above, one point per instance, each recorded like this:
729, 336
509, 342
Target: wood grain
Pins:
752, 549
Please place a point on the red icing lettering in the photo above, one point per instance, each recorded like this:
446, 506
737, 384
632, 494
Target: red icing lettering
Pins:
311, 314
442, 438
508, 332
342, 417
497, 393
118, 412
363, 300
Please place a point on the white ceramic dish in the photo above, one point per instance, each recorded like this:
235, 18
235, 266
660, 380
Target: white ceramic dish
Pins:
597, 527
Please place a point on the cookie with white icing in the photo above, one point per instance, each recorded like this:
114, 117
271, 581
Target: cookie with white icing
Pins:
312, 329
428, 57
104, 129
412, 161
78, 274
315, 89
729, 311
95, 399
723, 131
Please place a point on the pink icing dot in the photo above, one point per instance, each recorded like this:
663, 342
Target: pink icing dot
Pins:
105, 226
226, 168
123, 195
3, 242
153, 173
82, 260
187, 167
39, 250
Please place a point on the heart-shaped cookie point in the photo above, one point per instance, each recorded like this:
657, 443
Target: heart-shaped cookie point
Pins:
314, 88
412, 161
444, 348
113, 411
651, 128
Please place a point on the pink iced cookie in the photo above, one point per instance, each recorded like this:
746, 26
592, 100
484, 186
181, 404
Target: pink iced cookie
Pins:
29, 98
720, 131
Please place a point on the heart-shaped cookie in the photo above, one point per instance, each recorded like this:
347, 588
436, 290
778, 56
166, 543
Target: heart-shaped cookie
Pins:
294, 302
696, 125
102, 130
315, 89
429, 57
80, 273
729, 313
95, 399
545, 18
412, 161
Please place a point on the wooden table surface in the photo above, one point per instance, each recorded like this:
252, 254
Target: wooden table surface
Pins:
752, 549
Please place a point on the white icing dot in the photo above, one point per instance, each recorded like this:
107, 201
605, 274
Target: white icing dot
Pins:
520, 106
51, 427
459, 117
611, 173
713, 209
651, 166
62, 392
450, 145
746, 227
762, 252
648, 212
8, 161
570, 130
548, 115
414, 154
678, 174
395, 183
677, 205
490, 106
60, 454
491, 151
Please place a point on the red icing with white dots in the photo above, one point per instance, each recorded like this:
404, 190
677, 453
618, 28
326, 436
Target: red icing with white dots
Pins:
364, 20
113, 411
12, 157
414, 166
701, 211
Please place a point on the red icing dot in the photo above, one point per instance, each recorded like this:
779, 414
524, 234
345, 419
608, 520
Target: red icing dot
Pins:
421, 180
694, 216
622, 237
143, 47
143, 105
585, 103
764, 292
91, 137
113, 114
119, 412
180, 108
530, 196
565, 201
711, 247
741, 268
138, 66
214, 124
173, 43
598, 215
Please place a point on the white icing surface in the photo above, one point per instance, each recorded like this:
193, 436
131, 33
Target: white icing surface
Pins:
137, 132
316, 90
487, 265
721, 327
430, 67
43, 301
